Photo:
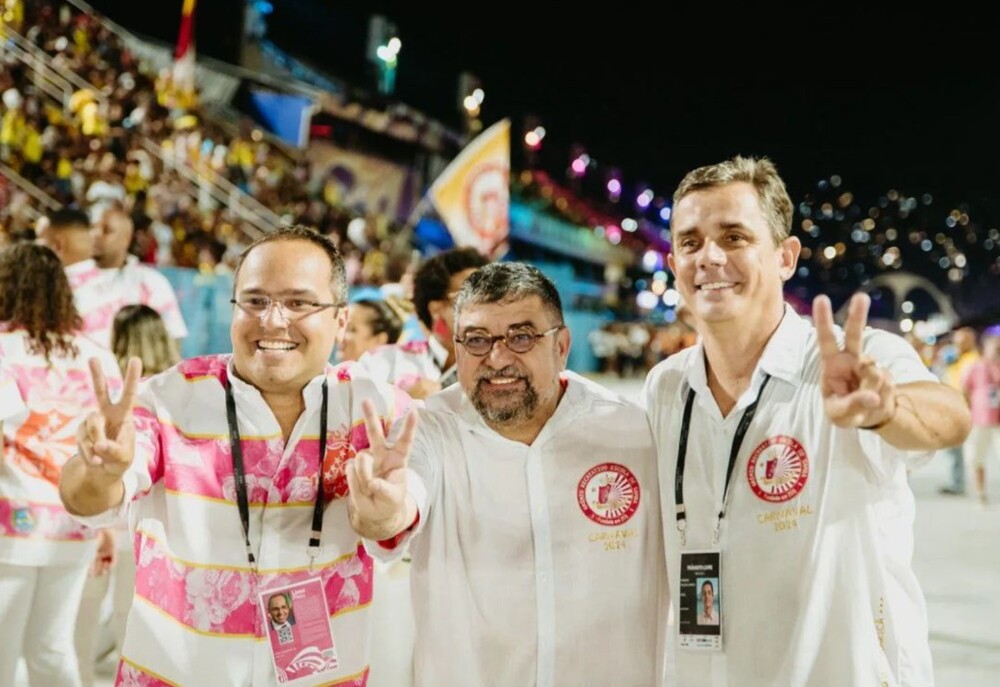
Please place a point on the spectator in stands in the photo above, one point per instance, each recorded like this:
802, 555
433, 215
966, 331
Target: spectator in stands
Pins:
44, 395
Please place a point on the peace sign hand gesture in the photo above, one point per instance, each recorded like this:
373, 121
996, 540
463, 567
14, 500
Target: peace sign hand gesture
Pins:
106, 438
377, 500
856, 391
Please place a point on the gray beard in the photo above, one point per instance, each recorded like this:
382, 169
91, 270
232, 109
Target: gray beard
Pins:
509, 413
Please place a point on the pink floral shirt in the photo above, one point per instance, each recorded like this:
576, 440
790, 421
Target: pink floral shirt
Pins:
41, 405
196, 620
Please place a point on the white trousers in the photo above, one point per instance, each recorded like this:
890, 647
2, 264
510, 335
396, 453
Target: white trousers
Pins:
90, 630
38, 609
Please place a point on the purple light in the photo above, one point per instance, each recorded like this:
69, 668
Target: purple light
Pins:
614, 186
579, 167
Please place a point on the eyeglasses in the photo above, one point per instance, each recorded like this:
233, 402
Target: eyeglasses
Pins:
517, 341
291, 309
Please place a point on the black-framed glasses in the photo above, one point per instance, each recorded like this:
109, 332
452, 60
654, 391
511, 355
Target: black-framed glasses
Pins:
291, 309
516, 340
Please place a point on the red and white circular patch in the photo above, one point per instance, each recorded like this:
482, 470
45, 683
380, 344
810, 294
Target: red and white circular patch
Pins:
608, 494
778, 469
486, 201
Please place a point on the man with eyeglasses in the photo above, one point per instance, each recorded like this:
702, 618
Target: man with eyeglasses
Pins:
218, 462
537, 551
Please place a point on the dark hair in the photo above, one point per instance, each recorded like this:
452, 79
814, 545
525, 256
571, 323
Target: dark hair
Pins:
431, 281
710, 586
68, 218
385, 320
504, 282
35, 295
338, 281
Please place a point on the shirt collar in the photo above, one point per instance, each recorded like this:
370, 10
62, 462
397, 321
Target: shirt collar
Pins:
782, 356
438, 352
78, 268
311, 394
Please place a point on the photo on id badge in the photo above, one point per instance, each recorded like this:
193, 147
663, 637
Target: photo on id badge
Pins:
700, 616
297, 624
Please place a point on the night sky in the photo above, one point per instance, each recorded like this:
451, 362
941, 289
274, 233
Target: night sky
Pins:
905, 112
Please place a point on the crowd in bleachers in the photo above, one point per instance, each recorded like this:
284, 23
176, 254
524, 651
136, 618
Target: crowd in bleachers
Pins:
125, 138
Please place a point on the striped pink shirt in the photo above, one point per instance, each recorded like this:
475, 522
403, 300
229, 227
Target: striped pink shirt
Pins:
195, 620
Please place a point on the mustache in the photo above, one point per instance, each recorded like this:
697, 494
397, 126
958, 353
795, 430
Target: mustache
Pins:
509, 371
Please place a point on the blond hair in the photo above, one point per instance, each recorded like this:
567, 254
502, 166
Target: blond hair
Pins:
139, 331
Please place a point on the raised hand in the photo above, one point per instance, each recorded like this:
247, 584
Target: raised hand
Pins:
856, 392
376, 478
106, 438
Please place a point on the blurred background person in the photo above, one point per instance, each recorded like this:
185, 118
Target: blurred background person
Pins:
960, 357
370, 324
45, 392
138, 331
981, 385
435, 286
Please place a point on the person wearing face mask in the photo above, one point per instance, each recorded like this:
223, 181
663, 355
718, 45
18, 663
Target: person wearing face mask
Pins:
537, 551
435, 285
232, 468
783, 452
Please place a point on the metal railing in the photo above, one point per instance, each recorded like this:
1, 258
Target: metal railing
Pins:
60, 84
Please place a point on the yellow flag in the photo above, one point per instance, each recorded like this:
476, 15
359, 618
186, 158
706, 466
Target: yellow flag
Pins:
472, 194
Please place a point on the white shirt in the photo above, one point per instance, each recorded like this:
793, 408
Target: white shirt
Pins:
514, 579
817, 585
99, 294
401, 365
196, 619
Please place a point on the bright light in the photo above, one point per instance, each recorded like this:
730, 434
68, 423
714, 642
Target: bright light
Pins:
614, 186
651, 260
532, 140
386, 54
629, 224
658, 287
907, 307
671, 297
472, 105
660, 275
540, 132
578, 166
665, 213
647, 300
829, 252
906, 326
644, 199
479, 95
959, 260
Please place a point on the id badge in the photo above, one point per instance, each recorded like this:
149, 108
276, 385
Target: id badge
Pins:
699, 617
297, 625
994, 396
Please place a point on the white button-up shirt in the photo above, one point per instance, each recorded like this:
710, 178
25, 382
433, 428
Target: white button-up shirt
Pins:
817, 587
542, 564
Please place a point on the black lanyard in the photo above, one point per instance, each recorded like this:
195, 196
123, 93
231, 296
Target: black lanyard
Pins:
241, 480
741, 431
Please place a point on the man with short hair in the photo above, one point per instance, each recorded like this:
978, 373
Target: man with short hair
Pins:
127, 280
219, 461
537, 557
800, 507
